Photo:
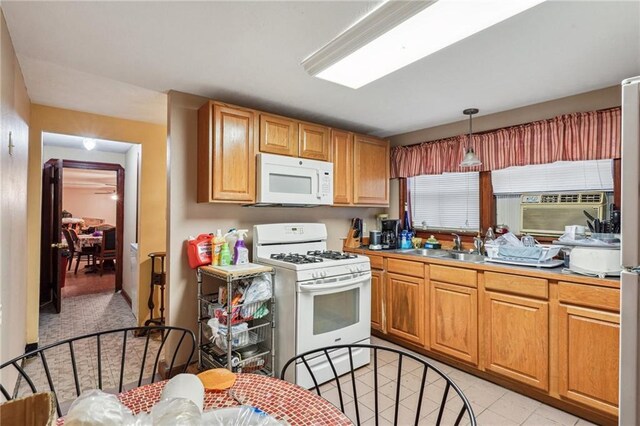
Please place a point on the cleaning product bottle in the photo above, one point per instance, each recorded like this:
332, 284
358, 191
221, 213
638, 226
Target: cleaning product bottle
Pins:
240, 251
218, 240
231, 237
225, 255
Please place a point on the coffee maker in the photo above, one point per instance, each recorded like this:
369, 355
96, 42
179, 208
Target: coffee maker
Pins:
390, 232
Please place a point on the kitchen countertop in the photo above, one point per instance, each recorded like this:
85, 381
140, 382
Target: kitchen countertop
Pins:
557, 274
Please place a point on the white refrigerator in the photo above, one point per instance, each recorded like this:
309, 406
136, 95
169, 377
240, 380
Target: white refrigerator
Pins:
630, 277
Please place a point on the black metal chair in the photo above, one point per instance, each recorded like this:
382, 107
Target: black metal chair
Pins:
448, 394
86, 358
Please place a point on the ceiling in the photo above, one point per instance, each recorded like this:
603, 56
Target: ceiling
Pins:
119, 58
69, 141
98, 180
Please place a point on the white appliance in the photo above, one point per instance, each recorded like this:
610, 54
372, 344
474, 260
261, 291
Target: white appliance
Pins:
323, 298
290, 181
599, 261
630, 239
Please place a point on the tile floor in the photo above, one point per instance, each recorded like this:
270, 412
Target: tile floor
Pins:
84, 315
492, 404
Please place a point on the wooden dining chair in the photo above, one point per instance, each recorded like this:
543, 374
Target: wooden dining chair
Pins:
112, 360
107, 250
89, 252
391, 374
70, 246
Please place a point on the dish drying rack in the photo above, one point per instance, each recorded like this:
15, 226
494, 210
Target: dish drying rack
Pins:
249, 350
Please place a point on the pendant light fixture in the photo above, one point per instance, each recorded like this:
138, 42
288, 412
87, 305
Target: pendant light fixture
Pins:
470, 158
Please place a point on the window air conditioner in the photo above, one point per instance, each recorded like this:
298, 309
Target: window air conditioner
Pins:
549, 213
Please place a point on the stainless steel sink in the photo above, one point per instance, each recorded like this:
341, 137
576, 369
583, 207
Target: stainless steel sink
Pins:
430, 252
467, 257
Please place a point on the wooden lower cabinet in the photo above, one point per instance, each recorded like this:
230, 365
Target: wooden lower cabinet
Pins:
405, 308
454, 321
516, 339
588, 352
377, 300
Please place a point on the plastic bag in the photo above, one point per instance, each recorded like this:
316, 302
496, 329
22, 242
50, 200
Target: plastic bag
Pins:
260, 289
242, 415
97, 408
240, 336
176, 412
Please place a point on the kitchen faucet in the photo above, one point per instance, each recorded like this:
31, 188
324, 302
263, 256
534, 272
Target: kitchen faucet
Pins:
457, 245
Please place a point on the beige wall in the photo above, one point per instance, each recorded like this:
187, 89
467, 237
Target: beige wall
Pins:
152, 139
186, 217
14, 259
84, 202
130, 275
589, 101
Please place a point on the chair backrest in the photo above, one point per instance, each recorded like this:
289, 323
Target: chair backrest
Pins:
74, 235
70, 244
393, 375
68, 367
108, 241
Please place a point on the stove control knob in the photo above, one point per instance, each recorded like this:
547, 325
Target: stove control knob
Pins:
323, 274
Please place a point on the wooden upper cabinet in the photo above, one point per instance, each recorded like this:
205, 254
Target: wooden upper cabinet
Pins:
454, 321
278, 135
342, 158
588, 350
517, 337
370, 171
226, 154
313, 142
404, 299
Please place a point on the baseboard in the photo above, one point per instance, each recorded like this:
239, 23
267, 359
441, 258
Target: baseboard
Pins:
126, 297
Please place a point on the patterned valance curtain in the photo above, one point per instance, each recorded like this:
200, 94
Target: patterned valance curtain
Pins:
590, 135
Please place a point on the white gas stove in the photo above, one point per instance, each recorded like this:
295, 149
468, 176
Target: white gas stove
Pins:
323, 297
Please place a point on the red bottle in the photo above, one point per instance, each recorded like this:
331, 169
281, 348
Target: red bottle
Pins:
199, 250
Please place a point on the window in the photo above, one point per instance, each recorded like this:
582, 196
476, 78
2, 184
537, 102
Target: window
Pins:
450, 201
563, 176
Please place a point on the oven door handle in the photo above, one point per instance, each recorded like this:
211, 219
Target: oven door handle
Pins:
315, 288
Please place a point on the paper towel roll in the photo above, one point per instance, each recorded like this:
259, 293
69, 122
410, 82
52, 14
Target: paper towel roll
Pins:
186, 386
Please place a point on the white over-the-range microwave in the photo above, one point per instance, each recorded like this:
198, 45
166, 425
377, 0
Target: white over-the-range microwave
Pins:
291, 181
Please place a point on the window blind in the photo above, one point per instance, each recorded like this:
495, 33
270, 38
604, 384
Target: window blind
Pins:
554, 177
449, 201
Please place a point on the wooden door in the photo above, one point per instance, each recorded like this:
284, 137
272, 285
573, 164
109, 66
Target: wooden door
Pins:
51, 237
370, 171
313, 141
405, 308
517, 338
278, 135
377, 300
342, 158
454, 321
234, 165
588, 352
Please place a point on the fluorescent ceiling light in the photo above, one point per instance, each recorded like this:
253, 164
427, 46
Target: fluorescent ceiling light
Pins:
88, 143
399, 33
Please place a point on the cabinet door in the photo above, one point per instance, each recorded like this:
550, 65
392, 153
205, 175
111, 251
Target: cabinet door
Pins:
377, 300
454, 321
589, 357
313, 141
278, 135
517, 338
405, 308
342, 158
370, 171
234, 165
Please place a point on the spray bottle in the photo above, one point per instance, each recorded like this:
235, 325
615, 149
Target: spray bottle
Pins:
240, 251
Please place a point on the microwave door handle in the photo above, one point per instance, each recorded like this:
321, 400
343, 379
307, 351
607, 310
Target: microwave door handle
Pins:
314, 288
318, 194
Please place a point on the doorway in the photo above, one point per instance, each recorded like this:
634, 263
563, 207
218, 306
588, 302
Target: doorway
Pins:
83, 216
